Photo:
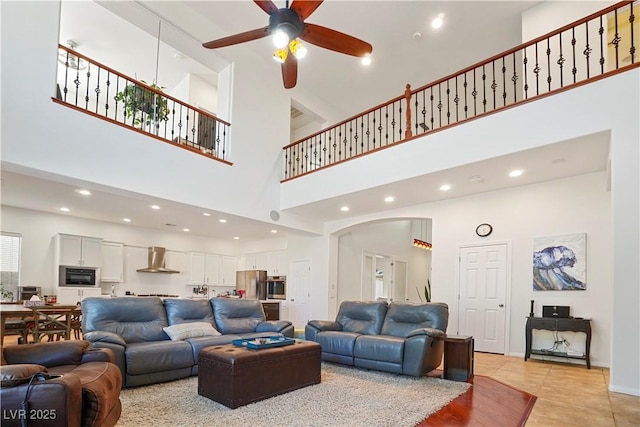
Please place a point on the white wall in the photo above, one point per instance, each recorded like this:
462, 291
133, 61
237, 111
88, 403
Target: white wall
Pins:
518, 215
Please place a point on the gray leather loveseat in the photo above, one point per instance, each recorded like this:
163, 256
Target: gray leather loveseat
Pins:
403, 338
138, 331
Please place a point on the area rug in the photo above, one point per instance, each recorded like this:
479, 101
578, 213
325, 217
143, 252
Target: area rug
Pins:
346, 397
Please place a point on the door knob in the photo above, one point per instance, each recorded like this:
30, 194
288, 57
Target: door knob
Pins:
500, 305
292, 299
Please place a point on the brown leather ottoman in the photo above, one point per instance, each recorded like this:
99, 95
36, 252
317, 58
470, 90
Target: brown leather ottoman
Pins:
236, 376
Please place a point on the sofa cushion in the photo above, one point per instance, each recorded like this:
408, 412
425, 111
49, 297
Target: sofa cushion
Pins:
383, 348
402, 318
188, 310
198, 344
362, 317
183, 331
236, 316
135, 319
337, 342
158, 356
14, 375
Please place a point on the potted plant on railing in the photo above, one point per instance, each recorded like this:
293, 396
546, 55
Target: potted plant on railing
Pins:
144, 104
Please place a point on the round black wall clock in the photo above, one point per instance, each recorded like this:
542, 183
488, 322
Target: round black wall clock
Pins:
483, 230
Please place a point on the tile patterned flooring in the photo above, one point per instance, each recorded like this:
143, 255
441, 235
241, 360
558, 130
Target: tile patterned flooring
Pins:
568, 394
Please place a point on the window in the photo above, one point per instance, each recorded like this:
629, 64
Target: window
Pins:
10, 245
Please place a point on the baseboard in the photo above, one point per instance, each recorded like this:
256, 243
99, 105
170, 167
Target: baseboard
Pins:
624, 390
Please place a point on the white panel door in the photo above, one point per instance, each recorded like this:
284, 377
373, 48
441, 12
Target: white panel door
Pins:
298, 292
483, 286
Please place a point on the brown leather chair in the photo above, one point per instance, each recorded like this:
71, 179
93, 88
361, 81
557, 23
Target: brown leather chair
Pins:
65, 383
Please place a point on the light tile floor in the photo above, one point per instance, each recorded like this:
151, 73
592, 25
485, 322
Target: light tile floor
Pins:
568, 394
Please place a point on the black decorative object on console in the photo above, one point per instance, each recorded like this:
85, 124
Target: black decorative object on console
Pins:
531, 312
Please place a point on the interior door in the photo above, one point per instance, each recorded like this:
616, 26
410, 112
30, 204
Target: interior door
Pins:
299, 284
482, 294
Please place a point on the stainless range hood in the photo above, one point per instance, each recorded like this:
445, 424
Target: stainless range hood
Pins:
156, 262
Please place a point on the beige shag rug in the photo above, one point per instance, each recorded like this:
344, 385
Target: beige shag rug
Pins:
346, 397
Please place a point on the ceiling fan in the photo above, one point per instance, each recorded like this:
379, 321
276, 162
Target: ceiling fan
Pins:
287, 26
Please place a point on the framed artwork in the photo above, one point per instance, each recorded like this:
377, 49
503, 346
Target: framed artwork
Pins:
560, 262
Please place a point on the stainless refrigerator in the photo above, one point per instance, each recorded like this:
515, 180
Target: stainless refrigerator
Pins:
253, 282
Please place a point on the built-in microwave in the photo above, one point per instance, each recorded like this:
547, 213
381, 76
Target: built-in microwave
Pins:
79, 276
277, 287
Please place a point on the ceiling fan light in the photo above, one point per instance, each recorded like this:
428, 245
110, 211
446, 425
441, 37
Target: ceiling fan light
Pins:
280, 55
297, 48
280, 39
366, 60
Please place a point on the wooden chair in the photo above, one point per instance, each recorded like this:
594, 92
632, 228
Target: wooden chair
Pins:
16, 327
53, 321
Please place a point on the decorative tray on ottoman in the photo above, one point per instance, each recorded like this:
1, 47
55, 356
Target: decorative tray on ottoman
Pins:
264, 342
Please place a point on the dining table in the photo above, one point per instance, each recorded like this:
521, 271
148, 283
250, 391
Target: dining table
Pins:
19, 311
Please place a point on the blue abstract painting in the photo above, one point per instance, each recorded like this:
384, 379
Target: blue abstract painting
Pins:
559, 262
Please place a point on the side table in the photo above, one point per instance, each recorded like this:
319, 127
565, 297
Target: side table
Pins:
458, 357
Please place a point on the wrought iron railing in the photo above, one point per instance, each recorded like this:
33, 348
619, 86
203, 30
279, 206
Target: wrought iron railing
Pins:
91, 87
589, 49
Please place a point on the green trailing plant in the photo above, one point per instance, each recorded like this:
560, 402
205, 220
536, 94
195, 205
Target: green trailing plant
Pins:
138, 100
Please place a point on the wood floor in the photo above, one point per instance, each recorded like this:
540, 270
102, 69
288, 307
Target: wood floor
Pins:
487, 403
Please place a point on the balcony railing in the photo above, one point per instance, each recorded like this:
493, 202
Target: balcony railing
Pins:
589, 49
91, 87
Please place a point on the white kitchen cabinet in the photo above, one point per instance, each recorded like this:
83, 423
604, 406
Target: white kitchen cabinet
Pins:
203, 268
277, 263
79, 251
71, 296
229, 268
112, 262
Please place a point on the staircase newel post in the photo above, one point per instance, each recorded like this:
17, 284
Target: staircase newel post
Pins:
407, 97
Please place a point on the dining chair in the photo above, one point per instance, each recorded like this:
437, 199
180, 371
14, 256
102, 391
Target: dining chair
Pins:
16, 327
52, 321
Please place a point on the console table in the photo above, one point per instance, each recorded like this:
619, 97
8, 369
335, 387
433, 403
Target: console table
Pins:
553, 324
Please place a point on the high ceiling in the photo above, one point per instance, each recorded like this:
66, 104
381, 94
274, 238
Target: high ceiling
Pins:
472, 31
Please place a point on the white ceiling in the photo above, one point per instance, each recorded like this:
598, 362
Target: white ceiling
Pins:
473, 30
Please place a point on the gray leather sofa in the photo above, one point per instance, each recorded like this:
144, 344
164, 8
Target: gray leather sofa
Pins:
134, 328
403, 338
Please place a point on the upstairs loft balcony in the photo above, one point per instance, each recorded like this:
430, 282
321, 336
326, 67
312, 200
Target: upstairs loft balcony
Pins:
595, 47
96, 89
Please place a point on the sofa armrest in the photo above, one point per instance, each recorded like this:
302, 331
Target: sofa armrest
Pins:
433, 333
325, 325
103, 336
99, 355
15, 375
48, 354
273, 326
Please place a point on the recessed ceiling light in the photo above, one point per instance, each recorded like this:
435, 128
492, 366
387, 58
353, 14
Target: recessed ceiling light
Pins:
126, 219
274, 231
236, 238
155, 207
65, 209
445, 187
345, 209
84, 192
185, 229
222, 220
516, 172
206, 214
437, 22
389, 199
366, 60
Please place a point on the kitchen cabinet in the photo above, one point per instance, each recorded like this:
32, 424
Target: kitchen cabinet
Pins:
277, 263
112, 262
203, 268
229, 268
71, 296
79, 251
271, 310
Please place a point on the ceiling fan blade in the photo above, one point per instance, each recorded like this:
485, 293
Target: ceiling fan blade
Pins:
238, 38
290, 71
304, 8
335, 40
267, 6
